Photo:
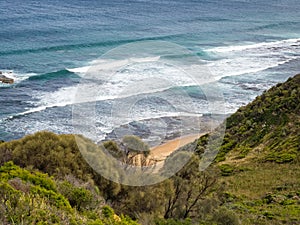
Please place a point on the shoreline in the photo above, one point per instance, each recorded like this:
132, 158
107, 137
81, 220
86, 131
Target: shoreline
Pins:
161, 152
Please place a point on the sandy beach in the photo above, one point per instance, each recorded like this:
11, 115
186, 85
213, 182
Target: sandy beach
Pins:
160, 152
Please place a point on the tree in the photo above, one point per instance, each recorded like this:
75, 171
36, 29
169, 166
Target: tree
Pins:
189, 187
134, 144
131, 151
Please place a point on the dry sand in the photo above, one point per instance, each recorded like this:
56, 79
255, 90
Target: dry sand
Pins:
162, 151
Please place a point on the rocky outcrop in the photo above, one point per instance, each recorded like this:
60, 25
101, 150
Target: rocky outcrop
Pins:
5, 79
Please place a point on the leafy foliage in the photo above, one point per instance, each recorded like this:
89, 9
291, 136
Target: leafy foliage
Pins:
30, 197
131, 150
57, 155
259, 157
261, 139
270, 126
226, 169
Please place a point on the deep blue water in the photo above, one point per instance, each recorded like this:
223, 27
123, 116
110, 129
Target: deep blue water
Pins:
247, 45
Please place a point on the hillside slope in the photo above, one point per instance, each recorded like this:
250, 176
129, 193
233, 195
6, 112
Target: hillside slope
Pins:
260, 155
255, 178
268, 128
32, 197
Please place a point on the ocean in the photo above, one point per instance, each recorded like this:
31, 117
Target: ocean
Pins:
247, 46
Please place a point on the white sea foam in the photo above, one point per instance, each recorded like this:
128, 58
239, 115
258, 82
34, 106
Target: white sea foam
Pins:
142, 76
120, 85
111, 64
79, 70
253, 58
282, 43
243, 65
145, 75
16, 76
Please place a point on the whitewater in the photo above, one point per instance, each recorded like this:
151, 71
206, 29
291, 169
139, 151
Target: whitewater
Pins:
50, 50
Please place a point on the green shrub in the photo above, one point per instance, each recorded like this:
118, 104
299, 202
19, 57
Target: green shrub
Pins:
107, 212
9, 171
288, 202
226, 169
280, 157
173, 222
224, 216
268, 215
79, 197
243, 151
95, 222
220, 157
55, 198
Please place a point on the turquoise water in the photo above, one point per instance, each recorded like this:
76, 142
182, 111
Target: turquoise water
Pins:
247, 45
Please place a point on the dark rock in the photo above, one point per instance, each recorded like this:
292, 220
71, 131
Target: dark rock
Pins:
5, 79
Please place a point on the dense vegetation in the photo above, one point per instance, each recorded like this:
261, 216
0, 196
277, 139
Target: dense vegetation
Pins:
179, 198
268, 127
260, 155
255, 178
31, 197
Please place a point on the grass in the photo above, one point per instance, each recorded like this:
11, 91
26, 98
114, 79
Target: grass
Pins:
263, 178
264, 193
